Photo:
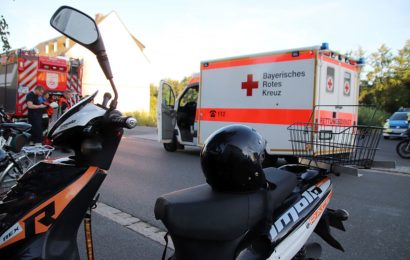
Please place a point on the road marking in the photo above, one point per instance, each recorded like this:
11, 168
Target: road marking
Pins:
133, 223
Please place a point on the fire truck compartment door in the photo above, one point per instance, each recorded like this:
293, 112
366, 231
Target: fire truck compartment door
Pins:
166, 115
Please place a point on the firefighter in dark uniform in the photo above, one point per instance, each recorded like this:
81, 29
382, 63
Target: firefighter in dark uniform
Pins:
35, 113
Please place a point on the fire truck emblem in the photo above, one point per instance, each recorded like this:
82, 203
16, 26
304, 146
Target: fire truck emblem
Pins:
249, 85
52, 80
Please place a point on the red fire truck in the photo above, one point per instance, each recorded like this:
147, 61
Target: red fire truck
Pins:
22, 70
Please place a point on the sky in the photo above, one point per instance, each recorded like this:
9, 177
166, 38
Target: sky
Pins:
179, 34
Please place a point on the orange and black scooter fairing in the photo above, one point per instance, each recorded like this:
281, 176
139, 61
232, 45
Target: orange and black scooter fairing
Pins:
42, 213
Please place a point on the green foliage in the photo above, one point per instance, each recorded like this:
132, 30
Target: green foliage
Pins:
4, 34
372, 116
387, 83
178, 86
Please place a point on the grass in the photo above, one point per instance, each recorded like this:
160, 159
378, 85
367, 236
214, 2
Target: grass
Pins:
146, 118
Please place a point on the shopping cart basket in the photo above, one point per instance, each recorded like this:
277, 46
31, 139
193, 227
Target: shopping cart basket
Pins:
335, 144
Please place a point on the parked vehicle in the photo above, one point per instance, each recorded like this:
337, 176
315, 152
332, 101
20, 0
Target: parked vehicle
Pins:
40, 216
246, 212
13, 162
397, 124
403, 147
22, 70
404, 109
267, 91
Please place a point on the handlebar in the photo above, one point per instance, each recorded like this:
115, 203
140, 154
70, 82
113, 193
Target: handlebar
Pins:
123, 121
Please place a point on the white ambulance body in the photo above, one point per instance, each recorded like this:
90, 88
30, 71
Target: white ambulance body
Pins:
267, 91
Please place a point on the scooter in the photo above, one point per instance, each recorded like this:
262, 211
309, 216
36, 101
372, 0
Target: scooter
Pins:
41, 214
272, 223
403, 147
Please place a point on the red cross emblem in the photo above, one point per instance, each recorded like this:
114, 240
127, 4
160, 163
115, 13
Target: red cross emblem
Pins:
249, 85
347, 88
330, 84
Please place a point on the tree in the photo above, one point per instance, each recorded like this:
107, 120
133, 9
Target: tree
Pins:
179, 86
4, 34
387, 83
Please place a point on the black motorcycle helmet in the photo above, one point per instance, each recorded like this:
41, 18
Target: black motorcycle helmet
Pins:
231, 159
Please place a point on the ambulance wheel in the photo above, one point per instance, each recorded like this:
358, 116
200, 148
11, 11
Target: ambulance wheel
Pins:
291, 159
180, 146
170, 147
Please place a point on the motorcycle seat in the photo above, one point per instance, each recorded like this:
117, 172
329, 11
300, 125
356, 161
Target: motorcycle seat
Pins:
202, 213
20, 126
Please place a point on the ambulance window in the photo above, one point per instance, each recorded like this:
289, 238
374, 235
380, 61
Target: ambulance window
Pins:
168, 97
190, 95
347, 83
330, 79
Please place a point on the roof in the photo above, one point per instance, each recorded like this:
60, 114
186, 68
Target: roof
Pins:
62, 40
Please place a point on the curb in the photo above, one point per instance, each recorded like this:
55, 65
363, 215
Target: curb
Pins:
399, 170
133, 223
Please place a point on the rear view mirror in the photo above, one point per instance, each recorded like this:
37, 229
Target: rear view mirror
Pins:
75, 25
82, 29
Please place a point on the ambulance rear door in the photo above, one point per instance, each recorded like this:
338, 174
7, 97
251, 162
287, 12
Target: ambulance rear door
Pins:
166, 113
338, 90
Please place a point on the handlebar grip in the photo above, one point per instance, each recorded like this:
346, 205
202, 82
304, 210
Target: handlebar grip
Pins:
124, 121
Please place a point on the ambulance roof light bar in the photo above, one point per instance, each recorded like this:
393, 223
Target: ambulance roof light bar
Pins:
361, 61
324, 46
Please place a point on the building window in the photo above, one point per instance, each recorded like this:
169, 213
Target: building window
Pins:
46, 50
67, 43
55, 46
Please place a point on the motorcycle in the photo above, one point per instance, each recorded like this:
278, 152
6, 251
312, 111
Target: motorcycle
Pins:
41, 214
13, 162
403, 147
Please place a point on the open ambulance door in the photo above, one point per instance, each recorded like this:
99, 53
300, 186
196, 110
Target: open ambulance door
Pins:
166, 115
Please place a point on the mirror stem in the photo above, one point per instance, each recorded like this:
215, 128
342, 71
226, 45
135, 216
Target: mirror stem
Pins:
113, 104
105, 64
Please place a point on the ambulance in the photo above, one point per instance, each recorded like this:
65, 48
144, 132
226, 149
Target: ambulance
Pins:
267, 91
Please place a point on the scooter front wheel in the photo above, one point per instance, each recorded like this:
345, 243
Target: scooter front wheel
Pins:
403, 149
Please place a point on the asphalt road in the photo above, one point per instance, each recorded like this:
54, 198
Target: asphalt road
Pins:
142, 171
